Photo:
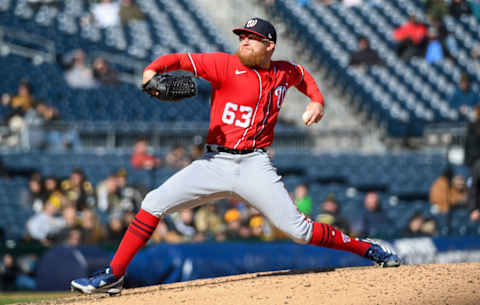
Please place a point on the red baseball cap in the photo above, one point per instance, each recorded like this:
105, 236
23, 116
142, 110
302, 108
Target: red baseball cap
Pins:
259, 27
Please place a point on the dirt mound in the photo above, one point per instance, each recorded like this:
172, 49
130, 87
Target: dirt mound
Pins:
453, 284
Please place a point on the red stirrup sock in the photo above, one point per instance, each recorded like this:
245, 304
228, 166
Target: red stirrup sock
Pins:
137, 235
327, 236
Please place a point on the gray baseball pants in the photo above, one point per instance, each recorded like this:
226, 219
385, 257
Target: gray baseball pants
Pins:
251, 178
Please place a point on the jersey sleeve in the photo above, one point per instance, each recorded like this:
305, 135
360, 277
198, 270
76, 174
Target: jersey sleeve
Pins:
171, 62
210, 66
305, 83
295, 74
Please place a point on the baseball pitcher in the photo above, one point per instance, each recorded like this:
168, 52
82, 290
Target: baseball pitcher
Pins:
248, 90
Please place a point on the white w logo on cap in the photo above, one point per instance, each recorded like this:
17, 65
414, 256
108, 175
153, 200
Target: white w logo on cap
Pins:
251, 23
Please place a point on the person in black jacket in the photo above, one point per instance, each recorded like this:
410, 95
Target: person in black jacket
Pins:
459, 8
365, 55
472, 139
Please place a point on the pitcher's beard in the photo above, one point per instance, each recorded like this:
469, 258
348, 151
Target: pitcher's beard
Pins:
252, 60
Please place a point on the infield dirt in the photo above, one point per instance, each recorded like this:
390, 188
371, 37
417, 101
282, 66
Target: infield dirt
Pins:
452, 284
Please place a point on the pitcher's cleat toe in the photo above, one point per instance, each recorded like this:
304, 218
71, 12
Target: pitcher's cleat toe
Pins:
381, 255
102, 281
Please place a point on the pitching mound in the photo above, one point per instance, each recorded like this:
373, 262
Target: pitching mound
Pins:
454, 284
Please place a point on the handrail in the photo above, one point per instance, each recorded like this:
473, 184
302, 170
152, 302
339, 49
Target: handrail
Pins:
46, 47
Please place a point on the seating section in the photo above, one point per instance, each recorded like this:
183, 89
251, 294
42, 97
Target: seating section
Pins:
402, 180
402, 96
168, 27
122, 103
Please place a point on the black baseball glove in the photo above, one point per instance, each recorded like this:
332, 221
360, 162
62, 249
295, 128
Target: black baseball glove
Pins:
168, 87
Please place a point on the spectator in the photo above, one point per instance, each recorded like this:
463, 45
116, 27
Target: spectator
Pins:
106, 13
208, 222
130, 197
197, 148
473, 198
183, 224
459, 8
34, 197
55, 139
129, 10
24, 99
15, 108
53, 193
116, 229
108, 199
103, 73
80, 75
256, 224
72, 222
414, 227
330, 214
447, 191
93, 230
410, 39
177, 158
79, 191
448, 42
472, 139
434, 51
302, 199
418, 226
35, 128
373, 221
233, 220
464, 98
9, 271
45, 225
141, 159
436, 9
74, 237
365, 55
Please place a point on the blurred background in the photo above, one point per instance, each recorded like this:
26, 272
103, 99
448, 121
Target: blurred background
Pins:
80, 144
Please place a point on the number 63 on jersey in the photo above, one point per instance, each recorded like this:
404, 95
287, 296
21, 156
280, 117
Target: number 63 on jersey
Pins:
238, 115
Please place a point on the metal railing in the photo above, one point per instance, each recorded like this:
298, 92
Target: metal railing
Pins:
14, 41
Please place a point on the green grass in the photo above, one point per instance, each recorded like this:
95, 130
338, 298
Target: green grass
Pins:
25, 297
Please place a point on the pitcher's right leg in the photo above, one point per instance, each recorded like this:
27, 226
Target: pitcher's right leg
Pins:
202, 181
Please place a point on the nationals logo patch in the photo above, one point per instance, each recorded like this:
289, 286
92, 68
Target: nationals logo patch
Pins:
251, 23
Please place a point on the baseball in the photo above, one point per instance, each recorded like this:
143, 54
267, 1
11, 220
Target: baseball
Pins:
306, 116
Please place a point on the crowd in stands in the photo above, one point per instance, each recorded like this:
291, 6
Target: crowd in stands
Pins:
28, 120
430, 41
80, 74
61, 206
73, 212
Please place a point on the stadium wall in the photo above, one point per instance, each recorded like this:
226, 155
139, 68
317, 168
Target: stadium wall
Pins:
168, 263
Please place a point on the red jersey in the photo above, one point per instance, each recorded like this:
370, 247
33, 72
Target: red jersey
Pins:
245, 102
